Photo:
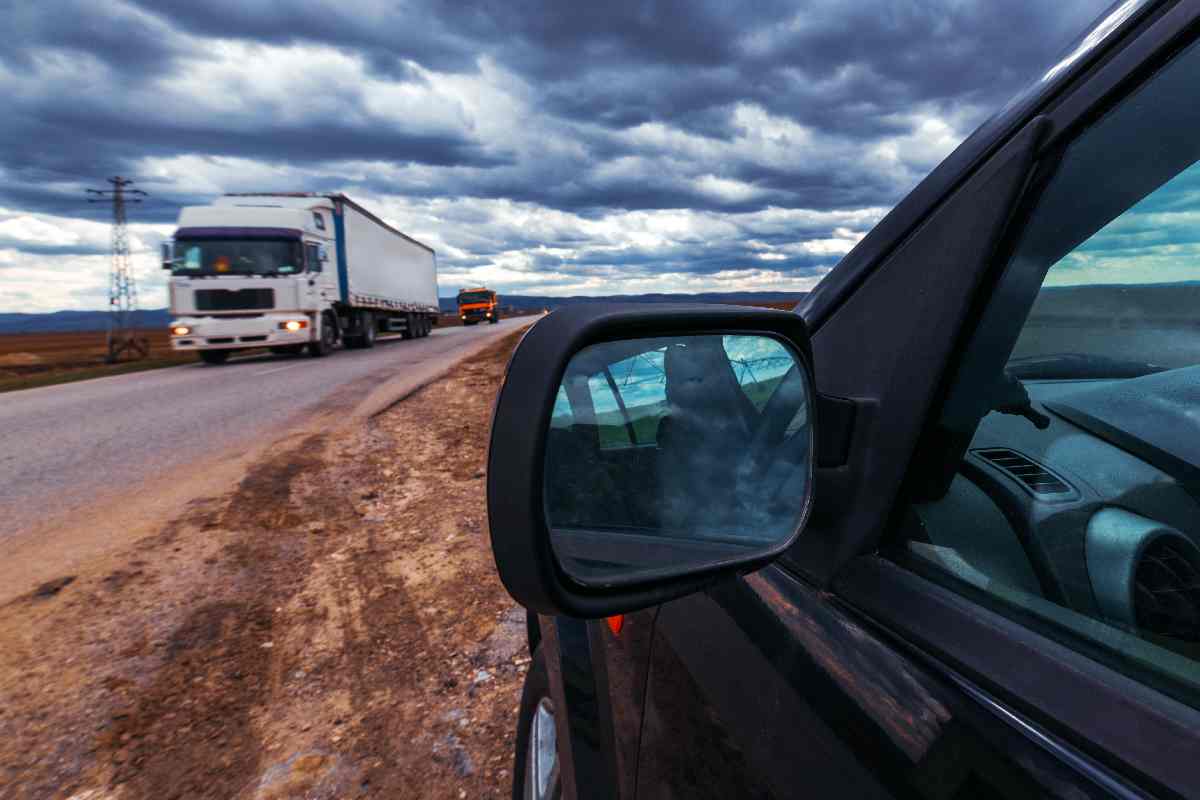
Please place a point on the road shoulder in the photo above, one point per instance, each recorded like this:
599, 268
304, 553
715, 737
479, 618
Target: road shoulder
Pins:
332, 626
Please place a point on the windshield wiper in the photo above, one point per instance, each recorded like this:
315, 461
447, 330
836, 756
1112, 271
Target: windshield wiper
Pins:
1077, 366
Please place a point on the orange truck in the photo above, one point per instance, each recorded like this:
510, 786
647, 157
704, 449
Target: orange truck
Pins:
477, 305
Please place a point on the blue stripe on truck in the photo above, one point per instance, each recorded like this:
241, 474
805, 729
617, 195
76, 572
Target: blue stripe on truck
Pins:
339, 230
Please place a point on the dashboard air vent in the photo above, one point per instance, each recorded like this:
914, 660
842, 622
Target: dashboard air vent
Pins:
1036, 478
1166, 594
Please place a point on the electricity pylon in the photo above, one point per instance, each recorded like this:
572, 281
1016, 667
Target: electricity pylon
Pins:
122, 287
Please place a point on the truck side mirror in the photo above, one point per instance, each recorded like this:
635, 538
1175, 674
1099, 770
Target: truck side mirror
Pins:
639, 453
168, 255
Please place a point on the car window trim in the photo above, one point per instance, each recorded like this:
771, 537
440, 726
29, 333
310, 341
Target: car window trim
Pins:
612, 384
1031, 675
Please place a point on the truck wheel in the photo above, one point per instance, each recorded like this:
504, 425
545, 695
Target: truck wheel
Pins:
492, 320
366, 323
410, 326
426, 327
328, 337
370, 330
214, 356
536, 771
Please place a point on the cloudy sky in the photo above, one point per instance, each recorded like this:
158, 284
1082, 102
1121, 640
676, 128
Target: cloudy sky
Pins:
541, 148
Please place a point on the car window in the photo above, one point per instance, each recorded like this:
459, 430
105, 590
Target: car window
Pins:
1072, 425
611, 416
641, 383
561, 416
629, 396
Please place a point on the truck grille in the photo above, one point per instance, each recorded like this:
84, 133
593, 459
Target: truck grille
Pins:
230, 300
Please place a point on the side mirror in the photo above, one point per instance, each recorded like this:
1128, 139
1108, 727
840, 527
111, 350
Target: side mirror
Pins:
324, 254
168, 255
641, 452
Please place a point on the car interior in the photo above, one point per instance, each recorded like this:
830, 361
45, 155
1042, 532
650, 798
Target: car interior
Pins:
1063, 475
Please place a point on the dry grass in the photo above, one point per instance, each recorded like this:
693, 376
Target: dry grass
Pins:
42, 359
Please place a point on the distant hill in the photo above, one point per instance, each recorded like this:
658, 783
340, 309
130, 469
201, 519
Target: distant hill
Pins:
59, 321
529, 301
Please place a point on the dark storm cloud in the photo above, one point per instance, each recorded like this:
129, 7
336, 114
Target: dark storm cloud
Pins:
387, 33
115, 34
623, 106
824, 62
52, 249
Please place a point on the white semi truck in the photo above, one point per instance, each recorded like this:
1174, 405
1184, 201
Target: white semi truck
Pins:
294, 272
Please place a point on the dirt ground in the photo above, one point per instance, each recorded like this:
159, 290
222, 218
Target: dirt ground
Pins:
39, 359
334, 627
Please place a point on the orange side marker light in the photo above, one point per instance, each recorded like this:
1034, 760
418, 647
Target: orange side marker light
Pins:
615, 622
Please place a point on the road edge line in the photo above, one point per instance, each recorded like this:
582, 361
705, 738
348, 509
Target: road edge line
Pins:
381, 397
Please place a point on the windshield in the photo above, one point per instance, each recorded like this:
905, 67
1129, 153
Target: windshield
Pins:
475, 297
1117, 248
237, 257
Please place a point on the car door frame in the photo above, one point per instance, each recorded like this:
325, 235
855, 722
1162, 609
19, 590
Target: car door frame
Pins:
1143, 741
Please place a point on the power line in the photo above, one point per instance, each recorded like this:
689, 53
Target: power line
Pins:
122, 286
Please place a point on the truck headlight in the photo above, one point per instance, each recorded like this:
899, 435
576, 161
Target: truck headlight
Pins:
180, 330
293, 325
489, 313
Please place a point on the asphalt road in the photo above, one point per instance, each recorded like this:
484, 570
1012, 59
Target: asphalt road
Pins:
63, 447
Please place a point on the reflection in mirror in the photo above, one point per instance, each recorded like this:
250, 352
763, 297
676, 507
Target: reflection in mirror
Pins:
669, 455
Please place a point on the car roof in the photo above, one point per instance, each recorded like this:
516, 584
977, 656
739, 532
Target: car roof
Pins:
1100, 37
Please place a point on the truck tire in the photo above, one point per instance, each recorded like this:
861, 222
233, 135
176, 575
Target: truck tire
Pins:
366, 324
324, 346
370, 330
410, 326
214, 356
426, 327
494, 318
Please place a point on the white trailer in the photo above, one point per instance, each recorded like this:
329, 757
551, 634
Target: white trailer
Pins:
292, 272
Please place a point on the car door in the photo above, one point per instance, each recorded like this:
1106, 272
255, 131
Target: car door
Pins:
947, 626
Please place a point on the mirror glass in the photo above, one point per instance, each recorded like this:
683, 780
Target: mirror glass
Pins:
673, 454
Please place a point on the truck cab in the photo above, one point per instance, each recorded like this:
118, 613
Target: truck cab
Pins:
477, 305
244, 275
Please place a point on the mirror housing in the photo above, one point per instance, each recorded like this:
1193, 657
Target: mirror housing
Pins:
523, 544
168, 254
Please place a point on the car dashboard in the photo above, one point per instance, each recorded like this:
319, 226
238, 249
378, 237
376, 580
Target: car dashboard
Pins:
1090, 513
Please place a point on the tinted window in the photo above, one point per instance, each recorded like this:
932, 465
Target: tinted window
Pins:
1074, 419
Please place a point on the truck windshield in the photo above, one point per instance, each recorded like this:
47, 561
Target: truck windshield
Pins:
475, 297
237, 257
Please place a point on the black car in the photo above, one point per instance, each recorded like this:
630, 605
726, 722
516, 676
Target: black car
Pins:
937, 534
